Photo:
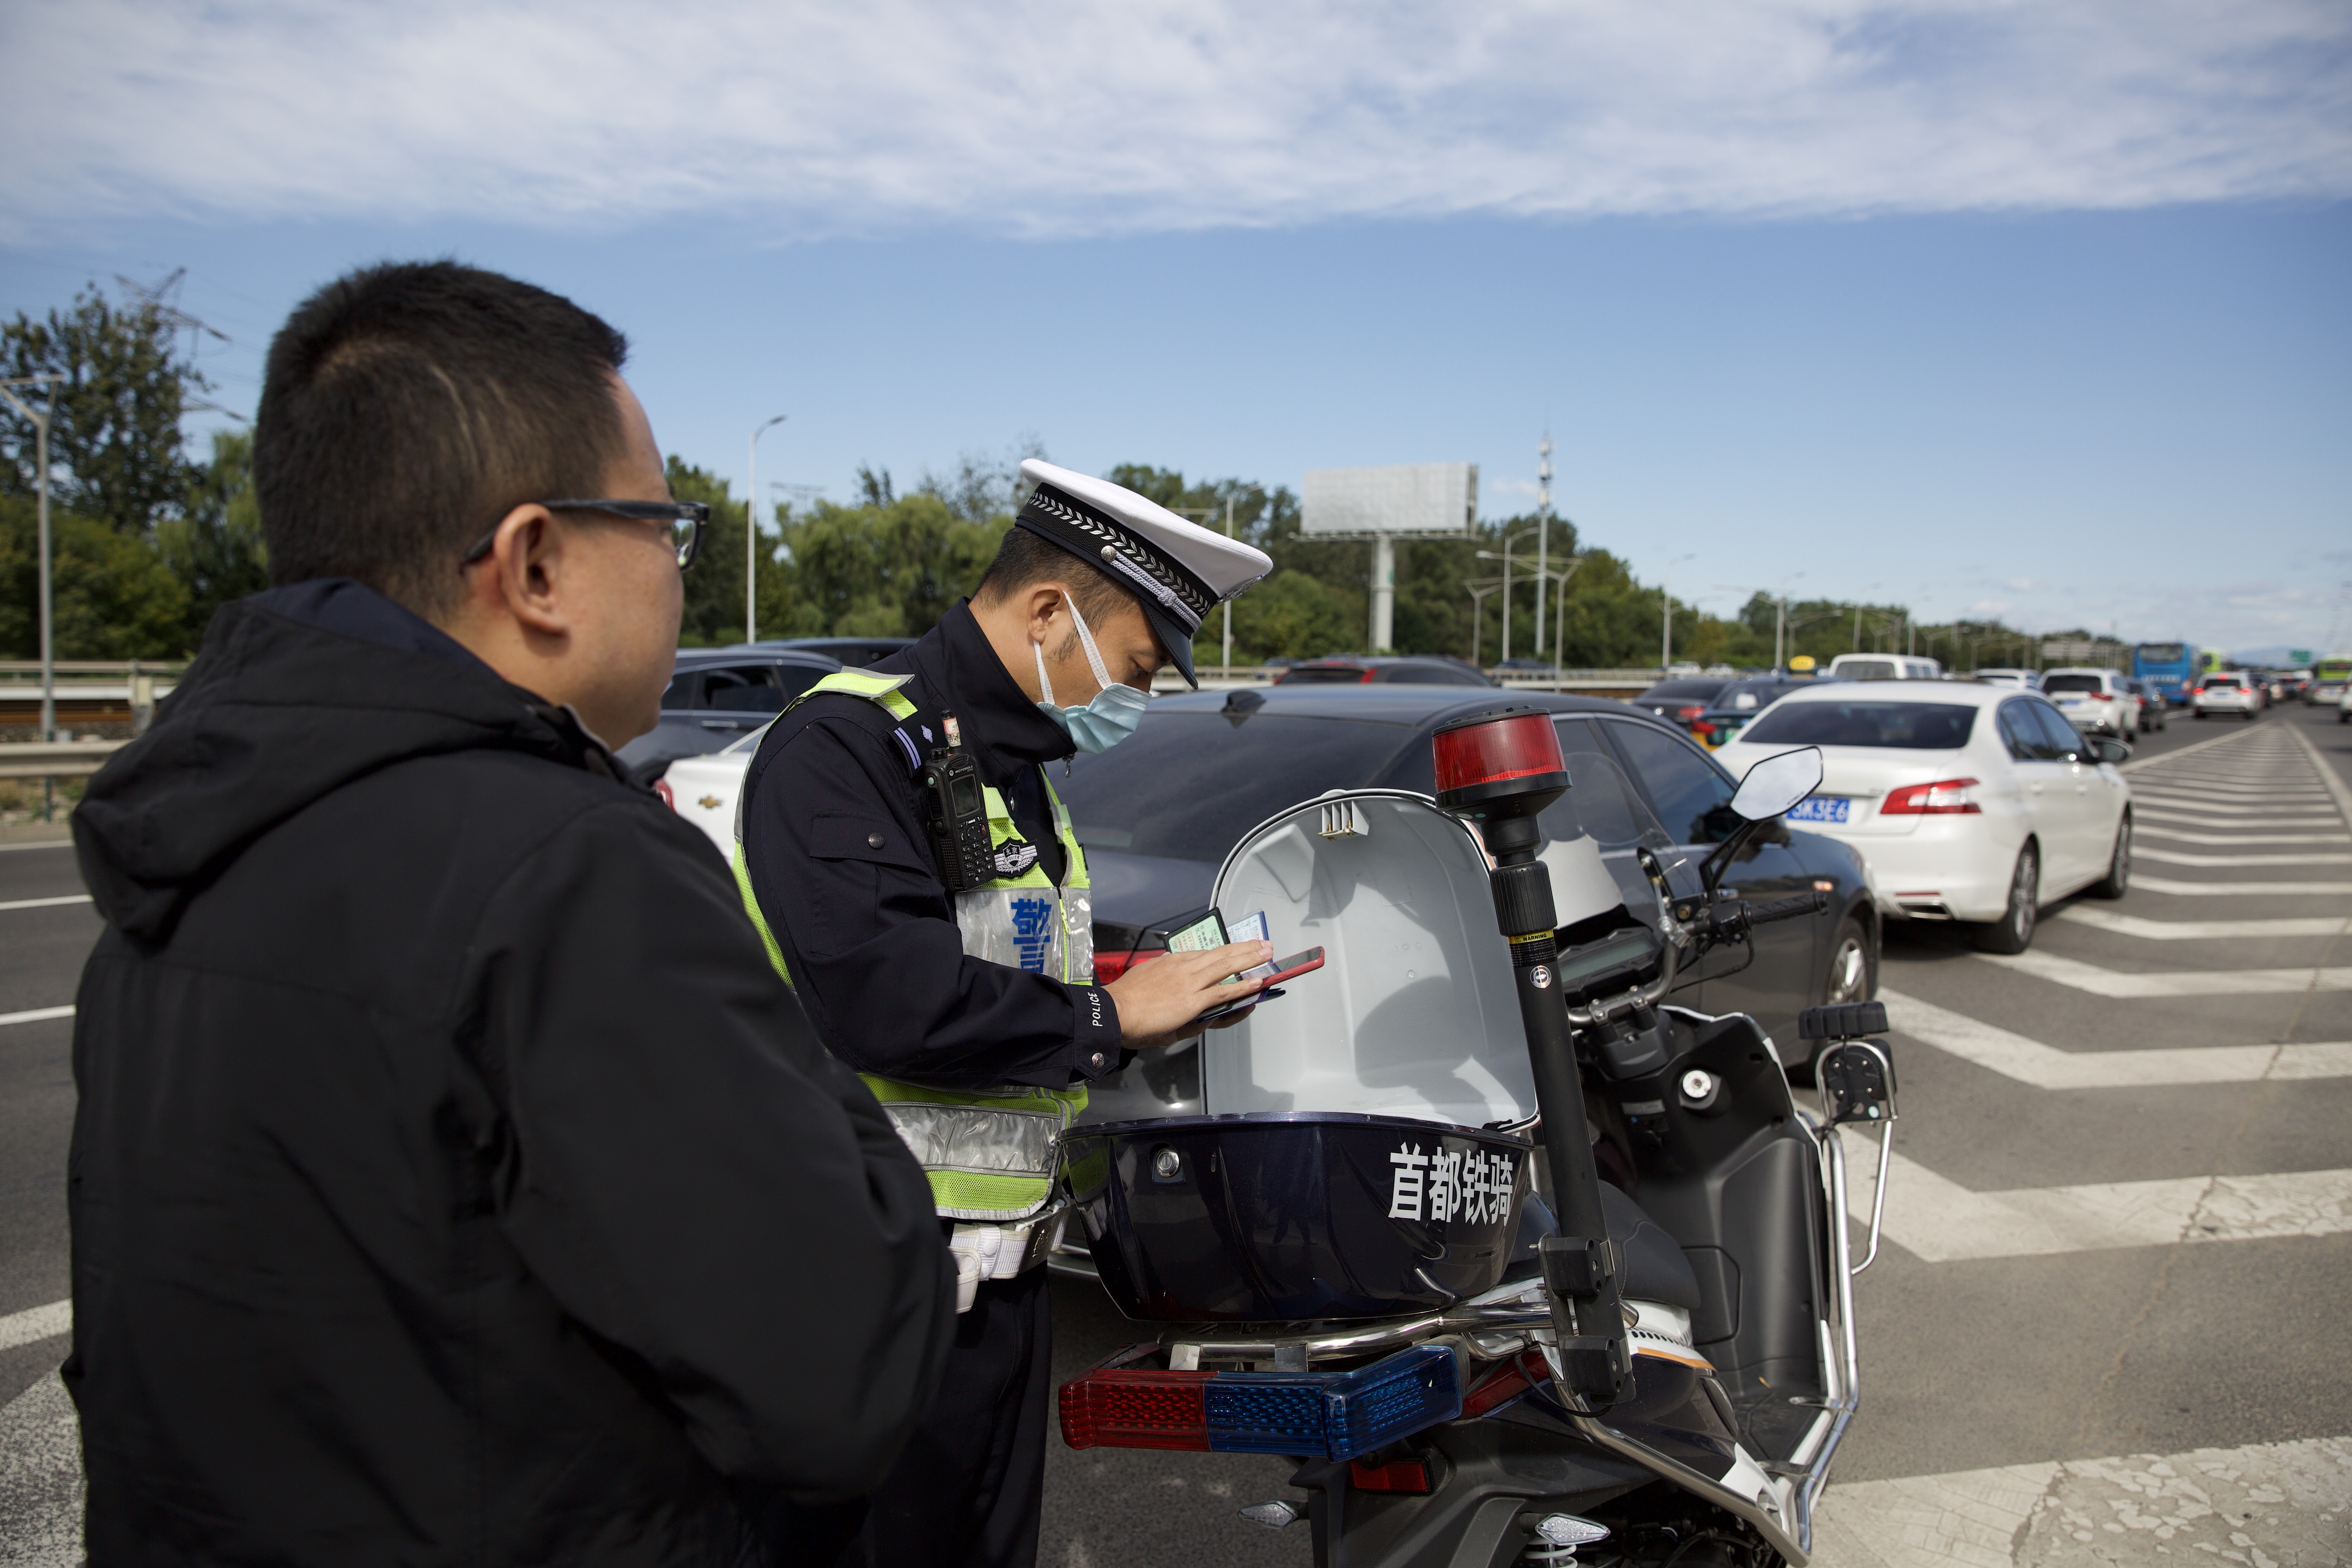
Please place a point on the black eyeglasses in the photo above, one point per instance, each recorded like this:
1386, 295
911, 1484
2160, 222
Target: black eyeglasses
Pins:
686, 518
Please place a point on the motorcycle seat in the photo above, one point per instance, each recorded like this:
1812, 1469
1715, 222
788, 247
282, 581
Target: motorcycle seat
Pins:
1656, 1268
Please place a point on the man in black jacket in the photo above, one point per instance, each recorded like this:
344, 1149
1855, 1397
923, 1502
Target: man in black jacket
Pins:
453, 1179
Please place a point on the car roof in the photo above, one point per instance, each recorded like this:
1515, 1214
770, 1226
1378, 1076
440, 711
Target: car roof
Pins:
747, 653
1362, 660
1390, 704
2084, 670
1972, 693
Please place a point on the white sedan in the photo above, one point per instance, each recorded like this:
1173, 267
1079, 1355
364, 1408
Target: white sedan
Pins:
1967, 802
704, 789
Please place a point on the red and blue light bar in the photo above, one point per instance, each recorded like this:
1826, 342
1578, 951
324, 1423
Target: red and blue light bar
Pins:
1330, 1414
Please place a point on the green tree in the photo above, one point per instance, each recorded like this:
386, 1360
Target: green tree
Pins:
114, 596
115, 446
714, 589
880, 570
215, 549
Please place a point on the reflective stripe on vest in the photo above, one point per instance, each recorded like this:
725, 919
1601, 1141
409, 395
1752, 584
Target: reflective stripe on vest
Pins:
990, 1156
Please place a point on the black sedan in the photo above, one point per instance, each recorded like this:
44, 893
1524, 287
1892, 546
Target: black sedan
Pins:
1682, 699
1158, 813
718, 695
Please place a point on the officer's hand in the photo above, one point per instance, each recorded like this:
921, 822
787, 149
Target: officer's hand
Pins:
1157, 1001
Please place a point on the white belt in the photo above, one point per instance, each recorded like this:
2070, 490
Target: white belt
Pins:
1002, 1251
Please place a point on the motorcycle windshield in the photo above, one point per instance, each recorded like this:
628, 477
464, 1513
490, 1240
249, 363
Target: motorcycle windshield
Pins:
1413, 1012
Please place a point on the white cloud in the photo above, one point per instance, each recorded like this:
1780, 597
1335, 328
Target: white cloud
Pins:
1054, 117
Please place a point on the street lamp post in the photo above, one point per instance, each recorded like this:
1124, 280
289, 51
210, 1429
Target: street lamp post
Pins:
1560, 619
1506, 558
41, 511
1667, 637
751, 532
1227, 666
1478, 592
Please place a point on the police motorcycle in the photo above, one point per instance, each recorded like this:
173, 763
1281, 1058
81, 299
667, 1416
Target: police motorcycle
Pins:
1516, 1258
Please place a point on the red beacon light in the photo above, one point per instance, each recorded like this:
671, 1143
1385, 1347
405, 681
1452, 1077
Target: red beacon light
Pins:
1499, 770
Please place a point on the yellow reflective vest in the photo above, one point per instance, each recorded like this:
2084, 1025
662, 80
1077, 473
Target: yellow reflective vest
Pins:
991, 1154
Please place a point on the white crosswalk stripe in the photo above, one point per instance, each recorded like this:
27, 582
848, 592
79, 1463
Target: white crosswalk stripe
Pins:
1939, 1221
34, 1324
45, 903
2124, 986
2171, 888
2175, 836
2182, 857
2202, 931
36, 1016
2045, 1067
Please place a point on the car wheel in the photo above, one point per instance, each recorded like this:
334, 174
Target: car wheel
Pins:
2117, 881
2013, 933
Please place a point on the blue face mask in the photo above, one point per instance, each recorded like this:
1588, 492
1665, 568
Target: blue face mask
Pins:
1107, 720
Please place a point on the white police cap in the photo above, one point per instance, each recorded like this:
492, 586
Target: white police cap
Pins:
1177, 570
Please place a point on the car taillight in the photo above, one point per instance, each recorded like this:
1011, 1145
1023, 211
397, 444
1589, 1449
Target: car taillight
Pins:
1334, 1416
1365, 679
669, 796
1945, 797
1703, 730
1687, 714
1109, 966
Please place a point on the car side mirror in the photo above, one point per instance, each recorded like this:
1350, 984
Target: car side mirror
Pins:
2108, 751
1778, 783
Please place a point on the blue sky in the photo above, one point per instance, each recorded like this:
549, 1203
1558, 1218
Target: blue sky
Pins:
1994, 311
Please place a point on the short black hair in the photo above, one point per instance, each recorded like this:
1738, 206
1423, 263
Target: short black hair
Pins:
407, 406
1025, 559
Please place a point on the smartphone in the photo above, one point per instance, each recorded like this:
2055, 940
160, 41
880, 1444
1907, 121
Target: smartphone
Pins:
1289, 968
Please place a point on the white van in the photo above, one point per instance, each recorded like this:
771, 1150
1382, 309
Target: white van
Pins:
1884, 667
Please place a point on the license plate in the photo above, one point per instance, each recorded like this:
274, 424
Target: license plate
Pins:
2070, 702
1821, 808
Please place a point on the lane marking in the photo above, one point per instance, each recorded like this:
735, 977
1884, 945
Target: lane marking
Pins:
2177, 836
2202, 931
35, 1324
2239, 799
2171, 889
1939, 1221
2146, 812
37, 1016
2045, 1067
44, 903
2184, 752
2329, 776
42, 843
2121, 986
2178, 857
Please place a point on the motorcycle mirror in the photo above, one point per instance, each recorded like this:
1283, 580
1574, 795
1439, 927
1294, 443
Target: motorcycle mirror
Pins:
1778, 783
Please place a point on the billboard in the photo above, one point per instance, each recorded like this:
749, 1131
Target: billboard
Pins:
1410, 497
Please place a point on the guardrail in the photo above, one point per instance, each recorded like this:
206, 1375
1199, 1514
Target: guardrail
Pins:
1628, 681
20, 668
56, 759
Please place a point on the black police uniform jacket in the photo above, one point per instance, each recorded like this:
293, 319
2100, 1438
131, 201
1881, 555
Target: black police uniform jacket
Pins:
835, 845
452, 1180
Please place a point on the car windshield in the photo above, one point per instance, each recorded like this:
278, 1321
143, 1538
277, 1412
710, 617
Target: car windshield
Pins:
1666, 690
1903, 726
1747, 696
1308, 674
2074, 683
1189, 785
2220, 683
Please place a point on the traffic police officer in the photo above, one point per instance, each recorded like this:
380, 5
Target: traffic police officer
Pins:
955, 969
